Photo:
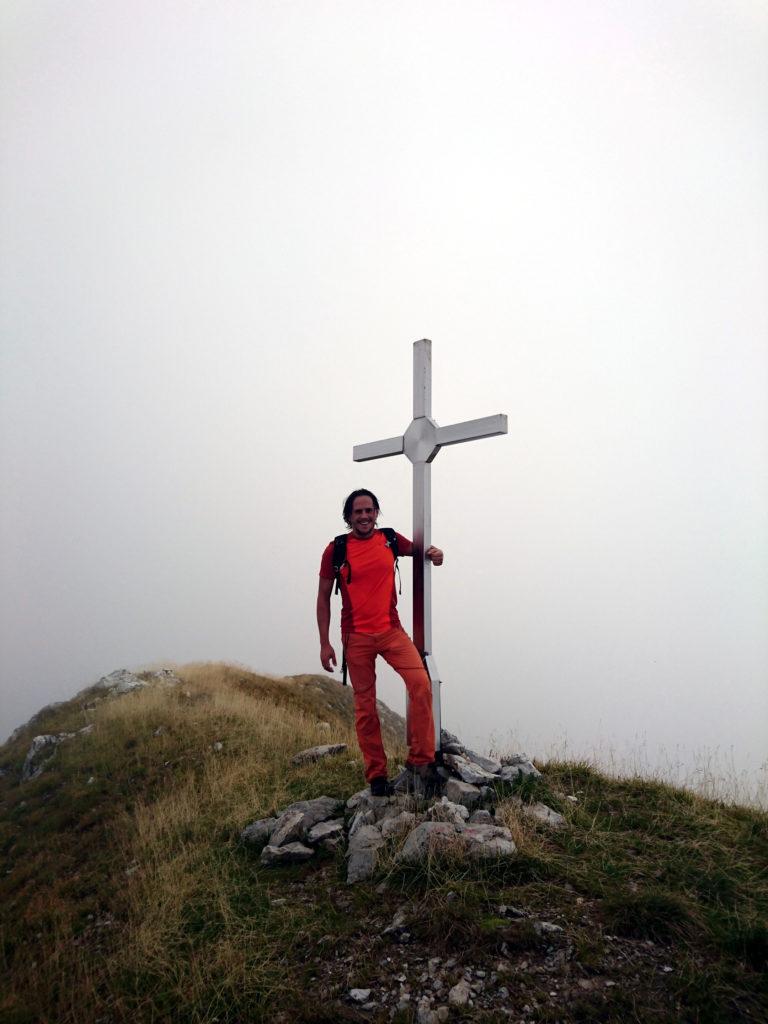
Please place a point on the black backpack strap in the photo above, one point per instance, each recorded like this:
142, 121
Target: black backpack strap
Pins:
391, 536
340, 560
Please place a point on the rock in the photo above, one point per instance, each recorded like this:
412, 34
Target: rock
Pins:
289, 828
443, 1013
510, 773
121, 681
403, 822
506, 911
452, 748
320, 809
459, 994
427, 838
424, 1012
462, 793
546, 928
218, 745
364, 816
291, 853
166, 677
328, 834
467, 770
529, 769
446, 810
356, 798
258, 832
543, 814
447, 738
510, 759
481, 817
362, 852
40, 752
488, 841
399, 921
359, 995
489, 763
316, 753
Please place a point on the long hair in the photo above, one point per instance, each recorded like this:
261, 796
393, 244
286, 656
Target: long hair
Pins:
362, 493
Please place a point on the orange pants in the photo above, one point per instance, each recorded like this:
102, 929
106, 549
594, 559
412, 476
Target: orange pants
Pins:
399, 651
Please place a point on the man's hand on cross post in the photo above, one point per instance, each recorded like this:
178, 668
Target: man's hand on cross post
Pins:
435, 555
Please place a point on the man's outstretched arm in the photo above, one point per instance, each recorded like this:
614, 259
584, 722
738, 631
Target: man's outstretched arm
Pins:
327, 653
435, 555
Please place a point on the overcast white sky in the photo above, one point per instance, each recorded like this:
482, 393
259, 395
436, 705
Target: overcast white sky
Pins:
223, 226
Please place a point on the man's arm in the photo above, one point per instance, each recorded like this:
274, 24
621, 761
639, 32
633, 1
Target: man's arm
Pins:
327, 653
435, 555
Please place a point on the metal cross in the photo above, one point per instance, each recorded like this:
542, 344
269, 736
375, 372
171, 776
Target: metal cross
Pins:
420, 443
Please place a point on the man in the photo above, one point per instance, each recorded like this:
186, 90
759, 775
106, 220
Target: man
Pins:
370, 626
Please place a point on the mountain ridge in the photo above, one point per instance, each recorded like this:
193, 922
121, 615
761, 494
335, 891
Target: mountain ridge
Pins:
127, 894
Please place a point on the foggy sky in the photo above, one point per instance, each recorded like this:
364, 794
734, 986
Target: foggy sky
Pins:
224, 225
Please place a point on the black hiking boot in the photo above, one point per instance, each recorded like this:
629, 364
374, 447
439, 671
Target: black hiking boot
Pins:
381, 786
426, 782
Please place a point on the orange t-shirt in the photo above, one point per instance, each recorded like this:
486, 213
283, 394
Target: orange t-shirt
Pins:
368, 595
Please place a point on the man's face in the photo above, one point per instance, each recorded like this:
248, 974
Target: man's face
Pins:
363, 517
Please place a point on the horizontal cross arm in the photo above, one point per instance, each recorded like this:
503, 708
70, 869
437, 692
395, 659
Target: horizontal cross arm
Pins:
472, 430
377, 449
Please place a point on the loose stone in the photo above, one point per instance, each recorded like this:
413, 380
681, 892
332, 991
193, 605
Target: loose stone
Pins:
290, 853
316, 753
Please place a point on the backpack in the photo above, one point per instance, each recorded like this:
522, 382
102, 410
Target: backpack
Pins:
340, 560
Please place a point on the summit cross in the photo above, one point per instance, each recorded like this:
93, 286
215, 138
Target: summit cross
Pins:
420, 443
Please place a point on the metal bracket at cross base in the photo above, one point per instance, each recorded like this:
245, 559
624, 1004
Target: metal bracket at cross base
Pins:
420, 443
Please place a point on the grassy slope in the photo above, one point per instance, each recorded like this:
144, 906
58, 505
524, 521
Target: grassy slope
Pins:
129, 897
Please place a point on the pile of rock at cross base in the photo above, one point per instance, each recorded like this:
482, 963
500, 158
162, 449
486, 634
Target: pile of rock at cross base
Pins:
458, 816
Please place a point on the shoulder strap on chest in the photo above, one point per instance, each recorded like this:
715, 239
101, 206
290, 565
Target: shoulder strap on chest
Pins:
391, 537
340, 560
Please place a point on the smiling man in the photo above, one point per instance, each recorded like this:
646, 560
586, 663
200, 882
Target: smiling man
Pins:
370, 626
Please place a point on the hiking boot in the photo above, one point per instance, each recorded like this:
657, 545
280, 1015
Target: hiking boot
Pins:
381, 786
426, 781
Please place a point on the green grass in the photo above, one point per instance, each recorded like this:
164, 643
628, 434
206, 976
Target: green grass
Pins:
131, 898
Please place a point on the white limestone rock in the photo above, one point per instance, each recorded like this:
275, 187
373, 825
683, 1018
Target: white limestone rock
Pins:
359, 995
43, 748
289, 828
290, 853
428, 838
363, 816
362, 853
543, 814
512, 759
468, 771
481, 817
120, 681
445, 810
328, 834
258, 832
460, 993
459, 792
320, 809
484, 841
403, 822
488, 763
318, 753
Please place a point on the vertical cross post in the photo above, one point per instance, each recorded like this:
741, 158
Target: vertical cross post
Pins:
420, 443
